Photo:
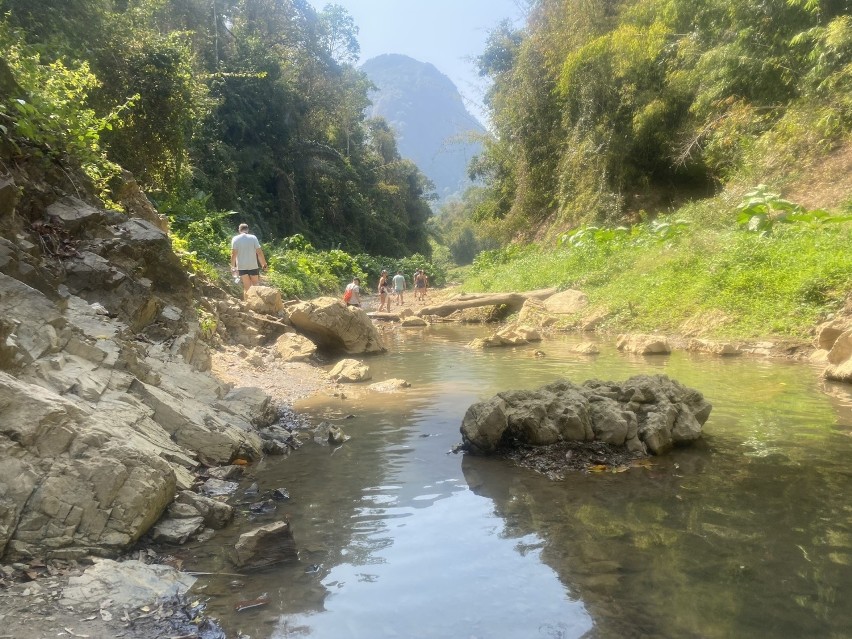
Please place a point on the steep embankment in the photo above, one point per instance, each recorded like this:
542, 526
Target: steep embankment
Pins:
106, 405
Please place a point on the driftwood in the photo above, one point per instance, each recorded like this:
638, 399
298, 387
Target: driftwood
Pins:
512, 300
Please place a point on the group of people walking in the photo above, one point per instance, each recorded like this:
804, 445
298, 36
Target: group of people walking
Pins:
391, 289
394, 288
247, 260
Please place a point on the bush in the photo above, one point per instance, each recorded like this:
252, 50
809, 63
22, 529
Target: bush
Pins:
50, 111
205, 232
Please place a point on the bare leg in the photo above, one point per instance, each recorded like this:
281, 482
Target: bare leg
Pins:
249, 281
246, 280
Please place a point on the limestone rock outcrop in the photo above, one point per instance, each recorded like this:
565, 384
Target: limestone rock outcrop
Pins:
839, 367
350, 371
511, 335
643, 413
643, 344
335, 327
292, 347
105, 406
697, 345
566, 302
265, 299
265, 546
554, 309
834, 348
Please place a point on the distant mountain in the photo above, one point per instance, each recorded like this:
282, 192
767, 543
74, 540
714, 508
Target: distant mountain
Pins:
425, 110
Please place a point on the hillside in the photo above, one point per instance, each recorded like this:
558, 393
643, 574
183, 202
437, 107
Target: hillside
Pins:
425, 110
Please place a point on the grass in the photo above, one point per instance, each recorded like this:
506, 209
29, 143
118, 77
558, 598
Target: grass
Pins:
781, 284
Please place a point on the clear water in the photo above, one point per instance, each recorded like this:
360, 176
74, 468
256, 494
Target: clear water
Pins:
747, 534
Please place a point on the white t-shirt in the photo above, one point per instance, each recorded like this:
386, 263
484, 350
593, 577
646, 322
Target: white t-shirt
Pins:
356, 293
398, 282
246, 246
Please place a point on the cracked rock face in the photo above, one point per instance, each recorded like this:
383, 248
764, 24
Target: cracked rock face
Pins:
105, 405
646, 413
336, 328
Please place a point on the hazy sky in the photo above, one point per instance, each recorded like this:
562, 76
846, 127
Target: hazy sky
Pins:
447, 33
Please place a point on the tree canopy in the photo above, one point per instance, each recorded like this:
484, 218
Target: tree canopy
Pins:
253, 104
596, 105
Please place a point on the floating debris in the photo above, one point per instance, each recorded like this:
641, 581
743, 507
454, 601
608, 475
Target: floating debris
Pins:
248, 604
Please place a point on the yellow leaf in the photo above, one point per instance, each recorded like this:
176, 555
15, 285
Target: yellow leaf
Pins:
598, 468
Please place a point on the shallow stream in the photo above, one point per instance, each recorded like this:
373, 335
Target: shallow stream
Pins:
747, 534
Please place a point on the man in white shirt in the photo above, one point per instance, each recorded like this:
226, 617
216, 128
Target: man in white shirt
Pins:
247, 258
354, 293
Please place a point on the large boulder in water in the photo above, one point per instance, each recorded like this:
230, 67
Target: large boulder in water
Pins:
839, 366
652, 413
334, 327
643, 344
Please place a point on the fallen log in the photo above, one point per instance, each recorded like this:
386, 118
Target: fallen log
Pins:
513, 300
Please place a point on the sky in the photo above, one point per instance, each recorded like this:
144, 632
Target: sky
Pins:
447, 33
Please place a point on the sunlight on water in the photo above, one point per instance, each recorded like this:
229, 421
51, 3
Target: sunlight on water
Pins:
748, 533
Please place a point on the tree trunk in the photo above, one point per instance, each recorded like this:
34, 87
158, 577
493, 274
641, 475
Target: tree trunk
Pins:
513, 300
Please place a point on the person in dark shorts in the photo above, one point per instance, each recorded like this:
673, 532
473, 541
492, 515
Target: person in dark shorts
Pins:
421, 282
247, 258
384, 292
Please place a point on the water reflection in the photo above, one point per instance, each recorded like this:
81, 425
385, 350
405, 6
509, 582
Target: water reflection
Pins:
748, 533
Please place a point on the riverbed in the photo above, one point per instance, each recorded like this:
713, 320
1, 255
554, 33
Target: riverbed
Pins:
746, 534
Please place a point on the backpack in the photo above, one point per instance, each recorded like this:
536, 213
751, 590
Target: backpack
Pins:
347, 295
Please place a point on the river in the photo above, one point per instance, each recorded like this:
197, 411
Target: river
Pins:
746, 534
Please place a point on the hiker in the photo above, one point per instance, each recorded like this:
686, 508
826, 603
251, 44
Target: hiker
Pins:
384, 292
398, 286
247, 258
421, 282
352, 295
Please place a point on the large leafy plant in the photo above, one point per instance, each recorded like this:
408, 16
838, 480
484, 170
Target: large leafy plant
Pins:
761, 210
48, 111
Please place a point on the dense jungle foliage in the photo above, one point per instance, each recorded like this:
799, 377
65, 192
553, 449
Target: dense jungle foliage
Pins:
625, 135
224, 110
602, 109
631, 144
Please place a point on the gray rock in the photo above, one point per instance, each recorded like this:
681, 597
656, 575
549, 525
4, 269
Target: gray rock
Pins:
32, 322
265, 299
127, 583
292, 347
714, 348
214, 487
105, 410
216, 514
413, 322
389, 385
75, 215
643, 344
326, 434
350, 371
840, 359
265, 546
226, 472
250, 401
177, 531
652, 412
335, 327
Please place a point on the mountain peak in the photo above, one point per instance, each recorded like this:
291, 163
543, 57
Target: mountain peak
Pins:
433, 127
